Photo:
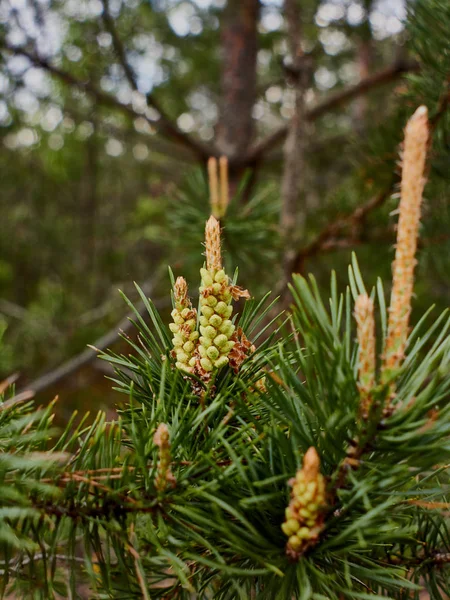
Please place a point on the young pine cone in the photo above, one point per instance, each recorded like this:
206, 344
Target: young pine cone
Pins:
305, 513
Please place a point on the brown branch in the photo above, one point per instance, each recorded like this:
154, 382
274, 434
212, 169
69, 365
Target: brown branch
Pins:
87, 356
167, 128
293, 181
332, 230
334, 101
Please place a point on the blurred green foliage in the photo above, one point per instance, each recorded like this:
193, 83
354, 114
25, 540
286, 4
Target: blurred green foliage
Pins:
93, 198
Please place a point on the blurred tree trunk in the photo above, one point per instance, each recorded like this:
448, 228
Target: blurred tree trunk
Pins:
294, 173
239, 52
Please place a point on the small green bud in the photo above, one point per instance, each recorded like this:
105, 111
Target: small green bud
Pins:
188, 347
177, 340
185, 312
206, 364
174, 328
215, 321
174, 313
178, 319
182, 357
205, 341
228, 312
293, 525
207, 311
227, 347
194, 335
193, 362
211, 301
227, 295
221, 308
221, 362
212, 353
220, 276
210, 332
202, 351
203, 321
217, 288
220, 340
225, 325
303, 533
286, 529
204, 301
207, 279
182, 367
295, 542
191, 324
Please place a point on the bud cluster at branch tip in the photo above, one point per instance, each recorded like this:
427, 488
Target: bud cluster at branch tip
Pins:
183, 327
216, 295
201, 352
412, 184
305, 513
365, 321
164, 476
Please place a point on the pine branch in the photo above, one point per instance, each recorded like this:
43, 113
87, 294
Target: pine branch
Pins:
167, 127
387, 75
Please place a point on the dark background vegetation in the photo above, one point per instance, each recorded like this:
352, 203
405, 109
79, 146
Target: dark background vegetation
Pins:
109, 110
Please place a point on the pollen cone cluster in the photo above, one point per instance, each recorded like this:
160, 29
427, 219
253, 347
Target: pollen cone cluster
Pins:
183, 327
200, 353
164, 476
305, 513
216, 295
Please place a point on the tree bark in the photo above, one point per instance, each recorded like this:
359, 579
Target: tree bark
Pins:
293, 181
239, 50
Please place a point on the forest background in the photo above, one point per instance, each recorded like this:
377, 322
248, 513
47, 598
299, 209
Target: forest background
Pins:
109, 112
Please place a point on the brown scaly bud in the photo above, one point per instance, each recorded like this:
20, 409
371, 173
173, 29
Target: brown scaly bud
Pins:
212, 245
413, 181
180, 294
305, 513
241, 350
365, 321
164, 476
183, 327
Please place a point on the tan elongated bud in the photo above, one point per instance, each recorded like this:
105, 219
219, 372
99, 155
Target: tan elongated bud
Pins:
214, 197
224, 186
305, 513
164, 476
365, 321
412, 184
212, 245
183, 328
